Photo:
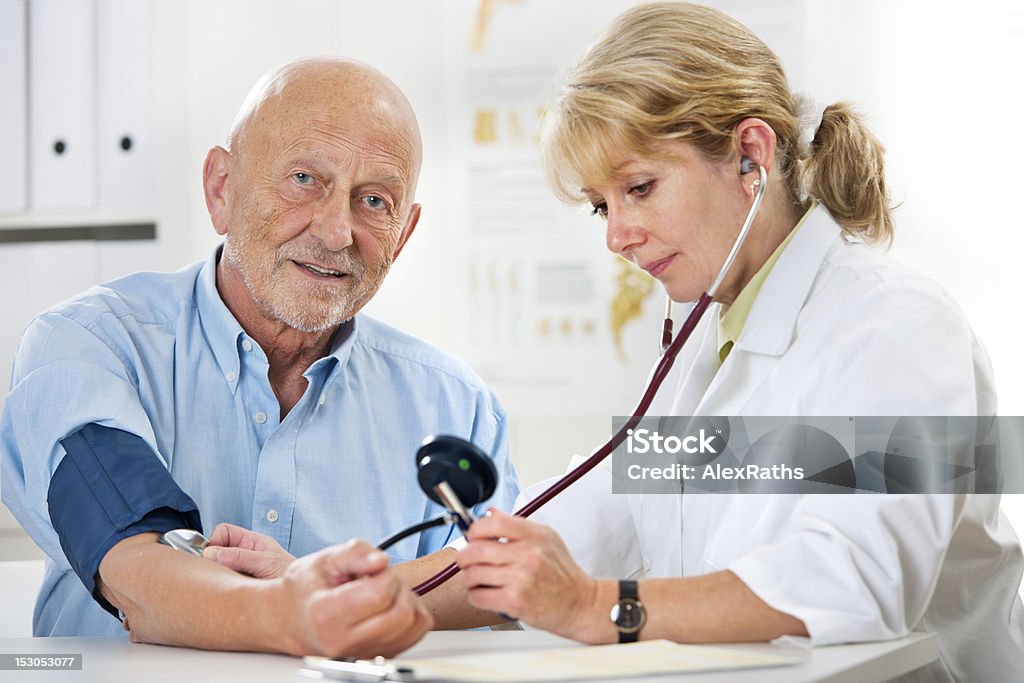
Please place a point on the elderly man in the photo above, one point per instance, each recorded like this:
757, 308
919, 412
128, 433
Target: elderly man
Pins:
247, 389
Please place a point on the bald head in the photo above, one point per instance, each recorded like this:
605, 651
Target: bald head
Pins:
314, 193
329, 92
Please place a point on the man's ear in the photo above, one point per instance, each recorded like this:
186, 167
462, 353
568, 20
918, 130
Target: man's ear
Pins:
215, 185
410, 225
756, 140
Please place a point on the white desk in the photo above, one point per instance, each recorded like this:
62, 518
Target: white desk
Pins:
115, 660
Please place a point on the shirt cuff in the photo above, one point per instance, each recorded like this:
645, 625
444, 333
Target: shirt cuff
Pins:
792, 580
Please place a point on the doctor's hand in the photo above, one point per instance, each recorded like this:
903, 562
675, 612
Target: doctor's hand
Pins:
523, 569
344, 601
247, 552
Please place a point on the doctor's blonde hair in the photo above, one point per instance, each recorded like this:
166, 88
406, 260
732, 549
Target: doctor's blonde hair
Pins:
672, 71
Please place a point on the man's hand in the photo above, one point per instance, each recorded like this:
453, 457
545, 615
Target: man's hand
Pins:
247, 552
345, 601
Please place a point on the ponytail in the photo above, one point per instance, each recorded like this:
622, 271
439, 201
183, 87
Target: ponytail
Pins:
846, 173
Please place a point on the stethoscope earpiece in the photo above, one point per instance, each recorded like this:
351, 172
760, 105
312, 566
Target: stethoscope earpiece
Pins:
747, 166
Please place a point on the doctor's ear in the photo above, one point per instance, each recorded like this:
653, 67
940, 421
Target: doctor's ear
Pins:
756, 142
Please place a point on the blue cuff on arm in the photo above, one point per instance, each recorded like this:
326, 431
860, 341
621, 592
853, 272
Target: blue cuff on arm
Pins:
109, 486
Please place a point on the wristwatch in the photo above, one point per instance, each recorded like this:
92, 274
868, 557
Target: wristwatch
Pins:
628, 614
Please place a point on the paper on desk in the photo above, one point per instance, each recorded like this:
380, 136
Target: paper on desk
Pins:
602, 661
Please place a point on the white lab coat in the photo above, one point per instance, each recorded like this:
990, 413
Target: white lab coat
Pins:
837, 329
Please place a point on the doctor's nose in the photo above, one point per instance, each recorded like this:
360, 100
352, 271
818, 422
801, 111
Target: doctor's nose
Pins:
332, 222
621, 234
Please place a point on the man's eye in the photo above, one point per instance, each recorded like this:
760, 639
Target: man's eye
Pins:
600, 210
302, 178
375, 202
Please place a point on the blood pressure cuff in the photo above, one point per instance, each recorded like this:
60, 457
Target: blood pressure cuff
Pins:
109, 486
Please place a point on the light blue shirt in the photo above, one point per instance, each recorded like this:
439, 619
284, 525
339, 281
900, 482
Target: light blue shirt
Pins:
160, 356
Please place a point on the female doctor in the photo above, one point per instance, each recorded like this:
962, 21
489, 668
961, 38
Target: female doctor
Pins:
653, 129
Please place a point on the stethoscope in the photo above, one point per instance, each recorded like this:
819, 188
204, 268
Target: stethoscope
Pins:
455, 450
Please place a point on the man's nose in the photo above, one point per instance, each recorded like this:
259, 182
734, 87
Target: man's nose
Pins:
622, 233
332, 222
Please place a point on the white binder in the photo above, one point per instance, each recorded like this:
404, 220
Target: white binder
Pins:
62, 117
125, 68
13, 150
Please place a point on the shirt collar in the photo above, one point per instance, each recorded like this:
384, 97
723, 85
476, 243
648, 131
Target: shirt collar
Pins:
224, 333
220, 328
732, 318
341, 350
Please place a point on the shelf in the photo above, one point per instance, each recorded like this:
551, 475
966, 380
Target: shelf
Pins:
76, 218
63, 228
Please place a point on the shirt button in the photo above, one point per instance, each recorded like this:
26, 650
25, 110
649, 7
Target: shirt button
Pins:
272, 516
323, 400
260, 417
231, 376
247, 345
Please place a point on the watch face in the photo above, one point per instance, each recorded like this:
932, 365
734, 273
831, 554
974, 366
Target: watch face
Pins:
629, 615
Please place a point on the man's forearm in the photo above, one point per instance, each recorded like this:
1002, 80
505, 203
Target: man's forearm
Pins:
173, 598
447, 603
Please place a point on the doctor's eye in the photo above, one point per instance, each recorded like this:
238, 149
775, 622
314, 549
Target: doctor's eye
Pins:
642, 189
302, 178
599, 209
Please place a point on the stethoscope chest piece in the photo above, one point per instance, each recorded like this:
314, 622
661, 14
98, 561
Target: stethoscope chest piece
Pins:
464, 467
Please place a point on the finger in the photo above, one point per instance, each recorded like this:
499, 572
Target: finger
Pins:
353, 559
497, 524
332, 614
487, 551
261, 565
490, 576
233, 536
493, 600
383, 634
403, 640
223, 533
389, 632
361, 598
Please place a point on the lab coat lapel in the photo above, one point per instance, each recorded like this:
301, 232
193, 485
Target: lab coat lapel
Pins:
697, 367
771, 327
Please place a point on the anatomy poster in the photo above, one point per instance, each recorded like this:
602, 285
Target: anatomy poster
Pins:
551, 319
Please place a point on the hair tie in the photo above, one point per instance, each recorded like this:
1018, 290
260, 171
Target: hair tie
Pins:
808, 119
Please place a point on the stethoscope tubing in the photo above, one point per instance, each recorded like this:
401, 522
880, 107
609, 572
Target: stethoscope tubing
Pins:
661, 371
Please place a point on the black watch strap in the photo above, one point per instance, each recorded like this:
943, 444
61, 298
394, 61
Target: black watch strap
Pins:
628, 614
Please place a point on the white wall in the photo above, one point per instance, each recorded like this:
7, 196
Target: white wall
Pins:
933, 80
940, 84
